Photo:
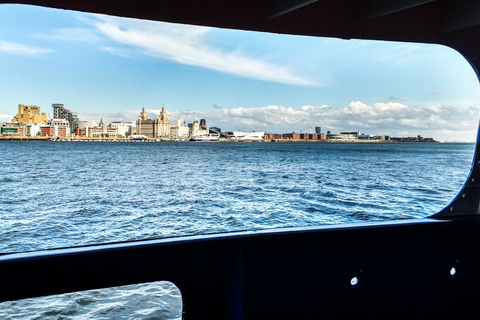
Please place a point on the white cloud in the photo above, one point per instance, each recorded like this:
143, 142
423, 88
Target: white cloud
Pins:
187, 45
117, 51
124, 115
71, 34
6, 117
22, 49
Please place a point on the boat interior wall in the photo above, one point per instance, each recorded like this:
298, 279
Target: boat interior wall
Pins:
418, 269
413, 269
449, 22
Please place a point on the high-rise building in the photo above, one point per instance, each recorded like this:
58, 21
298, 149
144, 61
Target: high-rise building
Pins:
29, 114
318, 130
59, 112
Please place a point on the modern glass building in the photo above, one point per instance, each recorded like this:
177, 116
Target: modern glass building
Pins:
59, 112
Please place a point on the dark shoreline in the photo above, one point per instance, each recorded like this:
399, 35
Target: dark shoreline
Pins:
49, 139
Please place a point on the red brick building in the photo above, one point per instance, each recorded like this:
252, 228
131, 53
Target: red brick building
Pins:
296, 136
47, 131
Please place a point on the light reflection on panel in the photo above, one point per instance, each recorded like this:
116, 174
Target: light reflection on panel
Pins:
156, 300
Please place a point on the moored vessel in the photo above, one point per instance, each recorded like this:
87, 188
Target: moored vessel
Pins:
211, 137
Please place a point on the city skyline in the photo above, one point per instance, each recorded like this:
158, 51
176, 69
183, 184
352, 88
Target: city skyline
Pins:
106, 67
65, 123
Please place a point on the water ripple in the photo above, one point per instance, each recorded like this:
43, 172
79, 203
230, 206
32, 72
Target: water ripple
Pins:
68, 194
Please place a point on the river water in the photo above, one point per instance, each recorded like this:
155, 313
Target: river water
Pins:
59, 194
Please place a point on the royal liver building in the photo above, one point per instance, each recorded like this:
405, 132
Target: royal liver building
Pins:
158, 128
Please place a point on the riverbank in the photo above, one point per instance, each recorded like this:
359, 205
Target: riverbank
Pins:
91, 139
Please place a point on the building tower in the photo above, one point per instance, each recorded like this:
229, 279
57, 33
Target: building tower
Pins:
162, 124
143, 114
203, 124
144, 126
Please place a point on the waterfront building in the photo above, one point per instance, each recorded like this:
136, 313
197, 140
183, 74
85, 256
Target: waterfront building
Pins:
13, 129
273, 136
318, 130
29, 114
30, 129
384, 137
344, 135
46, 131
350, 134
124, 129
297, 136
92, 130
144, 125
215, 130
60, 112
34, 129
373, 137
83, 126
56, 128
178, 131
153, 128
101, 131
418, 138
197, 130
240, 135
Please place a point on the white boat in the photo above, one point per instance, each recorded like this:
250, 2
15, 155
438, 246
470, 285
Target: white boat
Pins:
138, 137
211, 137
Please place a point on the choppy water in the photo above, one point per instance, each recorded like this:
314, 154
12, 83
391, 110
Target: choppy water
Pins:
71, 193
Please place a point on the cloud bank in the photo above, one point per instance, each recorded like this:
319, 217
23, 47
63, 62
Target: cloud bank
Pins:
445, 123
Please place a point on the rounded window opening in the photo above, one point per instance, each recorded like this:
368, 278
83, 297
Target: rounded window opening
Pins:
120, 129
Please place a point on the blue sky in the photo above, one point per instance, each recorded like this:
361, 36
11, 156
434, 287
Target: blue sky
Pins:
103, 66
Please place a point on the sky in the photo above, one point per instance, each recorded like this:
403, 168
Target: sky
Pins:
108, 67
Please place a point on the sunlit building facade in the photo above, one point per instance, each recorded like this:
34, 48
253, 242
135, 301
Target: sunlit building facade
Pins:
198, 130
124, 129
178, 131
29, 114
153, 128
